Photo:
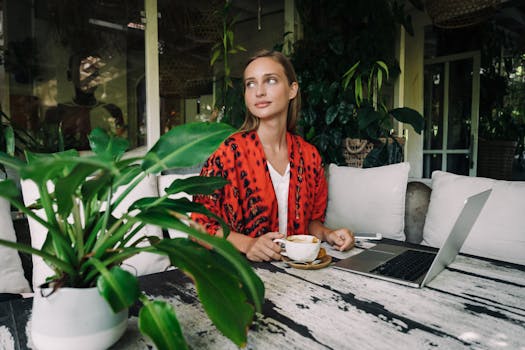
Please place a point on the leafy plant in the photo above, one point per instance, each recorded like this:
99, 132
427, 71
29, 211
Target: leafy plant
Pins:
374, 119
86, 242
230, 102
335, 33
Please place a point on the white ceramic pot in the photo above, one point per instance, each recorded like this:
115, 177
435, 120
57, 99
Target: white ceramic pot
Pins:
74, 318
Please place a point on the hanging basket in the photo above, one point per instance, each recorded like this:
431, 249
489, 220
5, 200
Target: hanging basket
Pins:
460, 13
355, 151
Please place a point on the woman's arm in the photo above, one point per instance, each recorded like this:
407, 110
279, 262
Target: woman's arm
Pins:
341, 238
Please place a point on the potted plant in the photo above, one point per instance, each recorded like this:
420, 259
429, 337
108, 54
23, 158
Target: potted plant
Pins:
335, 33
86, 243
374, 141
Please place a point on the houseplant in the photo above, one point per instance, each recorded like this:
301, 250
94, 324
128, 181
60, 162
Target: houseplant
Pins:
336, 33
86, 244
374, 120
229, 104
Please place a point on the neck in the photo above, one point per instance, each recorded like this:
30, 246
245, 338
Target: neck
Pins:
272, 136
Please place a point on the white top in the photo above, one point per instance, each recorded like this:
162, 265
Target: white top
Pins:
281, 185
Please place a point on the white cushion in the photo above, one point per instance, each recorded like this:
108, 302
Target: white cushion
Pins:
499, 232
164, 181
140, 264
368, 200
143, 263
12, 278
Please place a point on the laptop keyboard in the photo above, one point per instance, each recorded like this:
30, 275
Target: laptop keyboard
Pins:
409, 265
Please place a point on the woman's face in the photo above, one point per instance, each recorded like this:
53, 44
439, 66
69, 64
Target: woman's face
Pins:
267, 91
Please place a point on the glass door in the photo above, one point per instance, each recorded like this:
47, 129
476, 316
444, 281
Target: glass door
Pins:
451, 111
71, 66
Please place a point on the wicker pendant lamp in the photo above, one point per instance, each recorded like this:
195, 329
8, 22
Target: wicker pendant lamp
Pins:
460, 13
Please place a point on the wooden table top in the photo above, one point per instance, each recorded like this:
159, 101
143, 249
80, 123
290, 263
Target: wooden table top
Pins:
472, 304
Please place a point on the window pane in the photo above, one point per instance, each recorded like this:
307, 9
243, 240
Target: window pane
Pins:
434, 102
460, 104
187, 33
72, 66
458, 164
431, 162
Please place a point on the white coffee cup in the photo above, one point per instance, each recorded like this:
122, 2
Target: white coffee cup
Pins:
300, 248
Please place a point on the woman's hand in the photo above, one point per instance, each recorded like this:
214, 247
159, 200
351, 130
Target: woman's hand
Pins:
341, 238
263, 248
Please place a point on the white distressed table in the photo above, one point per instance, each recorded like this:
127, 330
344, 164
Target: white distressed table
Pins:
473, 304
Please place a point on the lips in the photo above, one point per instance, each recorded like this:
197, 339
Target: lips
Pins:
262, 104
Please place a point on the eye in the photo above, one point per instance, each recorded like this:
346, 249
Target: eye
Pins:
272, 80
250, 84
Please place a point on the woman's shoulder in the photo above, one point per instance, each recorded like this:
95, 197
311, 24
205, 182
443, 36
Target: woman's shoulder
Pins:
305, 145
242, 136
238, 141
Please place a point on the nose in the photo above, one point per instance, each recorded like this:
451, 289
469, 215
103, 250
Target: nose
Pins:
261, 91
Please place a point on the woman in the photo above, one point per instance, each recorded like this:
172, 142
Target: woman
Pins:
277, 184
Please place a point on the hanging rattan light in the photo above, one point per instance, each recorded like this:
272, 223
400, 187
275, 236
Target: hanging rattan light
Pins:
460, 13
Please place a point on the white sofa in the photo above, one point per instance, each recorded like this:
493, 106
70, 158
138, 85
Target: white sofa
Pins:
365, 200
382, 200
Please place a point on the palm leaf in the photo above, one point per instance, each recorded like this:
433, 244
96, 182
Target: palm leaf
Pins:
185, 146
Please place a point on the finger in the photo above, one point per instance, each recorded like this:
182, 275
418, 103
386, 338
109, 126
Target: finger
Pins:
253, 257
348, 243
272, 252
274, 235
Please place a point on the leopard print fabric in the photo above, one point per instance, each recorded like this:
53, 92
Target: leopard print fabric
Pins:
248, 203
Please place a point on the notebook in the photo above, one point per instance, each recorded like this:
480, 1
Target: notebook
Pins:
415, 267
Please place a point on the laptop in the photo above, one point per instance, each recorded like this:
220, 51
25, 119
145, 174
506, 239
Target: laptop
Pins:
415, 267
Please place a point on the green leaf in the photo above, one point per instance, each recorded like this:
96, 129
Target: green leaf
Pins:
41, 167
63, 265
377, 157
8, 189
92, 187
215, 56
223, 247
119, 287
221, 292
66, 187
358, 90
10, 161
331, 114
409, 116
384, 67
196, 185
158, 321
159, 212
9, 134
105, 146
379, 79
367, 116
350, 72
185, 145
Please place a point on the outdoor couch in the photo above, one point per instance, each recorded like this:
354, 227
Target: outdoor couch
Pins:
379, 199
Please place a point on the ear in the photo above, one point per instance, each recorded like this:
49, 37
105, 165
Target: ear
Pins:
294, 87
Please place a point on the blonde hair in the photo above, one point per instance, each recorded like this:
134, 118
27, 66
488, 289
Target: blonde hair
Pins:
251, 122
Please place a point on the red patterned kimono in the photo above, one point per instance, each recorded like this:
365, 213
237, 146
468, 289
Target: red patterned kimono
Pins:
248, 203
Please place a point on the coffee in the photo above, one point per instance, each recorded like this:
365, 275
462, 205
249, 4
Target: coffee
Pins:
302, 240
303, 248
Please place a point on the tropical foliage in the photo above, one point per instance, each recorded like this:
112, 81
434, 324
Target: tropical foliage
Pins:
87, 242
337, 36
